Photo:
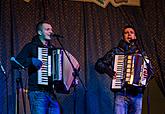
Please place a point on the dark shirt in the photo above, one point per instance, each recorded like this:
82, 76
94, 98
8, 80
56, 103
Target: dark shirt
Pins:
28, 52
105, 64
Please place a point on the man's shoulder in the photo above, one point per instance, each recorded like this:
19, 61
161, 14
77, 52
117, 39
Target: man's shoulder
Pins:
117, 50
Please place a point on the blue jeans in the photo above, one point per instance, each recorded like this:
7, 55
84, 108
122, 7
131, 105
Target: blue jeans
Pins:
128, 104
43, 103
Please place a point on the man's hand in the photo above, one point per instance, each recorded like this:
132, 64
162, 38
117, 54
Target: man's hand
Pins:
114, 75
145, 73
37, 63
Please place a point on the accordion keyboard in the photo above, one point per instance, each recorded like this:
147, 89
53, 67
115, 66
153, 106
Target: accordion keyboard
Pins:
43, 71
118, 68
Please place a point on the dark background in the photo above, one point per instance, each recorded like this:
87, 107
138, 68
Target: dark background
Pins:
89, 31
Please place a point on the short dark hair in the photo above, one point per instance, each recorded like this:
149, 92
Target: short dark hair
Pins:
39, 24
128, 26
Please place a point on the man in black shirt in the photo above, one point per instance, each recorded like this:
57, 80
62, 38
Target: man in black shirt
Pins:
42, 98
128, 99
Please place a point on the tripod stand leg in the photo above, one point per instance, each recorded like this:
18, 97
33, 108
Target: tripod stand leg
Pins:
20, 86
17, 96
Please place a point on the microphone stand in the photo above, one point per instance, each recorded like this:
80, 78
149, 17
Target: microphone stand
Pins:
75, 74
150, 73
19, 85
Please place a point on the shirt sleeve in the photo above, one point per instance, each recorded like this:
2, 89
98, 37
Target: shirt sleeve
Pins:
25, 56
105, 64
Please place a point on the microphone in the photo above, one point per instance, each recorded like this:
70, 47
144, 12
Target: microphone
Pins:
14, 60
56, 35
3, 70
133, 41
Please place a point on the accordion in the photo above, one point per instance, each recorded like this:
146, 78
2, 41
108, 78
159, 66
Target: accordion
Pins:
129, 70
56, 69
